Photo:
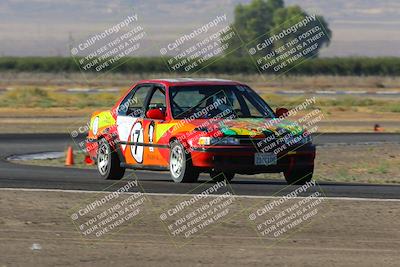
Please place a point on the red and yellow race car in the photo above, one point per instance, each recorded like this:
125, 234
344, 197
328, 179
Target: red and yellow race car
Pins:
190, 126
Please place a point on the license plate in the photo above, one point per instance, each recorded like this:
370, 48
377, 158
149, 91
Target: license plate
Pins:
265, 159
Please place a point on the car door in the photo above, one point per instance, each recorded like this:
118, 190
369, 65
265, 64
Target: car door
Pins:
154, 151
130, 129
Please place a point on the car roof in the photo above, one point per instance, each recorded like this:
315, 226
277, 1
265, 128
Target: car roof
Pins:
191, 81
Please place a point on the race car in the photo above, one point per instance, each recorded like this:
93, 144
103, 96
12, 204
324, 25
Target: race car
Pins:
192, 126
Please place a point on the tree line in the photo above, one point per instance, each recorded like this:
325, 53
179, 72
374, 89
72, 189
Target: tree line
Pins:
223, 65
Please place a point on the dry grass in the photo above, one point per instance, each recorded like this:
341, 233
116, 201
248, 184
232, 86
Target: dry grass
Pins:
365, 164
340, 103
55, 112
33, 108
40, 98
379, 164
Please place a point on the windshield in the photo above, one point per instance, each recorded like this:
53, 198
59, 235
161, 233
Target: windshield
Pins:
213, 101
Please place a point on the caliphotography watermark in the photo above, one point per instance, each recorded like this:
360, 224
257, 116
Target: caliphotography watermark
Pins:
210, 116
278, 52
197, 49
289, 132
110, 211
194, 215
280, 218
106, 49
103, 125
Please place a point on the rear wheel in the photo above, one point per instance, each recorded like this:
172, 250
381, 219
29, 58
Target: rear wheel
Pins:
180, 165
220, 176
299, 175
108, 163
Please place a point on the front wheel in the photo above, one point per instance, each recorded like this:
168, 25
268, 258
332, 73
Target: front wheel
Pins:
108, 163
299, 175
180, 165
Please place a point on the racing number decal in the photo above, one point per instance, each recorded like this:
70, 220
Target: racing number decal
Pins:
151, 135
137, 137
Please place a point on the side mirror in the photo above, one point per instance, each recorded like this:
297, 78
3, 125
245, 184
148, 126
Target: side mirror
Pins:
281, 112
155, 114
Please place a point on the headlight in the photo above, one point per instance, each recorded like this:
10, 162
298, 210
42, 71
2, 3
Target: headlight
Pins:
205, 141
208, 141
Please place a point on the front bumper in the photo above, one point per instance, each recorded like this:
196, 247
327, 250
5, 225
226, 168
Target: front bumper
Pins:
242, 159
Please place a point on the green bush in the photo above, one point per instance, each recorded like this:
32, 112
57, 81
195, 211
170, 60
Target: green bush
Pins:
387, 66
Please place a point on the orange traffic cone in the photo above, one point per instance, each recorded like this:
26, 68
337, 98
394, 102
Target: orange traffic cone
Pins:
69, 160
378, 128
88, 160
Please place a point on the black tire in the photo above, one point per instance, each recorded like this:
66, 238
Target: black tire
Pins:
180, 164
220, 176
110, 170
299, 175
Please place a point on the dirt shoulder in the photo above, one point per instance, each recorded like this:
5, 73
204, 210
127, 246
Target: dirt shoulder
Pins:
347, 233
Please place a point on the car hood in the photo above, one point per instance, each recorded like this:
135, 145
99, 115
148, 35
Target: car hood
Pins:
250, 127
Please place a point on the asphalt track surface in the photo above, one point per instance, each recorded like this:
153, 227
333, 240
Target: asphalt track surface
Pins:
26, 176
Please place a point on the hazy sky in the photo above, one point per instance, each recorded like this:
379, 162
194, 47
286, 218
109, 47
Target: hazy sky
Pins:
44, 27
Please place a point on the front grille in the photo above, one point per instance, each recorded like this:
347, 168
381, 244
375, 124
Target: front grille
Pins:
245, 161
260, 144
249, 140
224, 160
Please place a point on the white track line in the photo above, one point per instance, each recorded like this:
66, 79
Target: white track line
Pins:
189, 195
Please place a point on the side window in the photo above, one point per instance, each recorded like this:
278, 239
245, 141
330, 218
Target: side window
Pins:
133, 104
157, 100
